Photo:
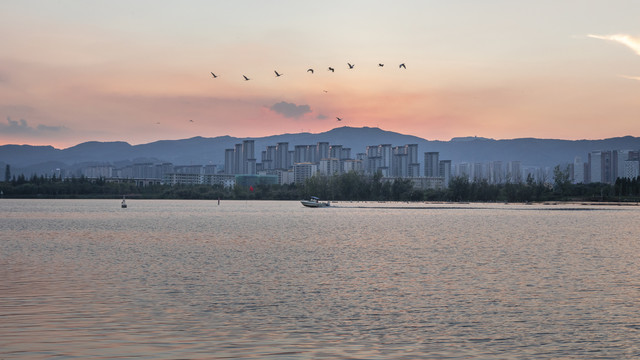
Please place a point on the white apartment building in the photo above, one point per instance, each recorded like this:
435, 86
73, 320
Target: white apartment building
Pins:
330, 166
303, 171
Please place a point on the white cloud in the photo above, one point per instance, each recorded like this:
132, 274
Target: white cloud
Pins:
631, 42
631, 77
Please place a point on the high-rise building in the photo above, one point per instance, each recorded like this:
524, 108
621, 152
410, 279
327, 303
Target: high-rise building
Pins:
373, 159
386, 153
269, 158
601, 165
248, 157
412, 158
346, 153
632, 169
142, 170
303, 171
399, 162
400, 165
251, 167
98, 171
322, 151
431, 164
330, 166
373, 164
578, 170
237, 159
188, 169
622, 157
300, 154
289, 164
496, 175
412, 153
353, 165
335, 151
632, 165
478, 172
304, 153
282, 155
514, 172
463, 170
445, 171
414, 170
229, 158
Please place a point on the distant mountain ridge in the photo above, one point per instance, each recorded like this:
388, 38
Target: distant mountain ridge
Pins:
200, 150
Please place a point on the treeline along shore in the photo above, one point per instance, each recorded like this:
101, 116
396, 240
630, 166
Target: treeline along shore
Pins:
345, 187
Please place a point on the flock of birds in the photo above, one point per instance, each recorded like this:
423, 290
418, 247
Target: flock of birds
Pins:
310, 70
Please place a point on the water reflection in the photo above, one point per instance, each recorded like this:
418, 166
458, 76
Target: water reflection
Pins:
191, 279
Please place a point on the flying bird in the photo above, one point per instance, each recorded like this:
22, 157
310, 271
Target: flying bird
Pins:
331, 69
214, 75
339, 119
277, 75
190, 120
381, 65
310, 70
351, 66
402, 66
245, 78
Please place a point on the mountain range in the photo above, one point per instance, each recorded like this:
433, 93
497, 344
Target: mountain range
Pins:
28, 159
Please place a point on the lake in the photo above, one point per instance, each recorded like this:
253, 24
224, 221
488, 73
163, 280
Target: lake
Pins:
275, 280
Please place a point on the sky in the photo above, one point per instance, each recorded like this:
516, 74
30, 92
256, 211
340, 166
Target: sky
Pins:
140, 71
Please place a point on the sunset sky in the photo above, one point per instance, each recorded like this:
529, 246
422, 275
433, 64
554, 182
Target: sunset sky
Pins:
140, 71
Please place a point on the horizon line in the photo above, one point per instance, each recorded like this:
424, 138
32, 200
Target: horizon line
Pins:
456, 138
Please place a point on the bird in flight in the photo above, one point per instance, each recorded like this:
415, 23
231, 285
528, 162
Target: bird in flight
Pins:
381, 65
277, 74
331, 69
214, 75
402, 66
339, 119
351, 66
245, 78
310, 70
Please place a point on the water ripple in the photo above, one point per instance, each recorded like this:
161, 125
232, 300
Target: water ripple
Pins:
255, 280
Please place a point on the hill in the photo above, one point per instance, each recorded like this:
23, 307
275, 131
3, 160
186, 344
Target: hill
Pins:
201, 150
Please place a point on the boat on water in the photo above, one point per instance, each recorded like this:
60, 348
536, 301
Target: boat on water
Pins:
124, 203
315, 202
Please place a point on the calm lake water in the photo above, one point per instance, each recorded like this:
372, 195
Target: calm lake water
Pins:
274, 280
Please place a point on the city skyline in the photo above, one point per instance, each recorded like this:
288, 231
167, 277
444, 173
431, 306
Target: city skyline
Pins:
139, 72
280, 165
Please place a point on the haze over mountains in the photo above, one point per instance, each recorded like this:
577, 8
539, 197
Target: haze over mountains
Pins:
30, 159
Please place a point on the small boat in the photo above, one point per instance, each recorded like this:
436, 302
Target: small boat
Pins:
315, 202
124, 203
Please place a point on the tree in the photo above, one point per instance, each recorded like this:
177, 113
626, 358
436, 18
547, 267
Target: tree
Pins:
459, 188
401, 189
561, 180
7, 173
349, 185
376, 186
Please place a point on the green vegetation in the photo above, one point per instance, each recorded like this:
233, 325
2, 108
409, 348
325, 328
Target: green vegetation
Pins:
346, 187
